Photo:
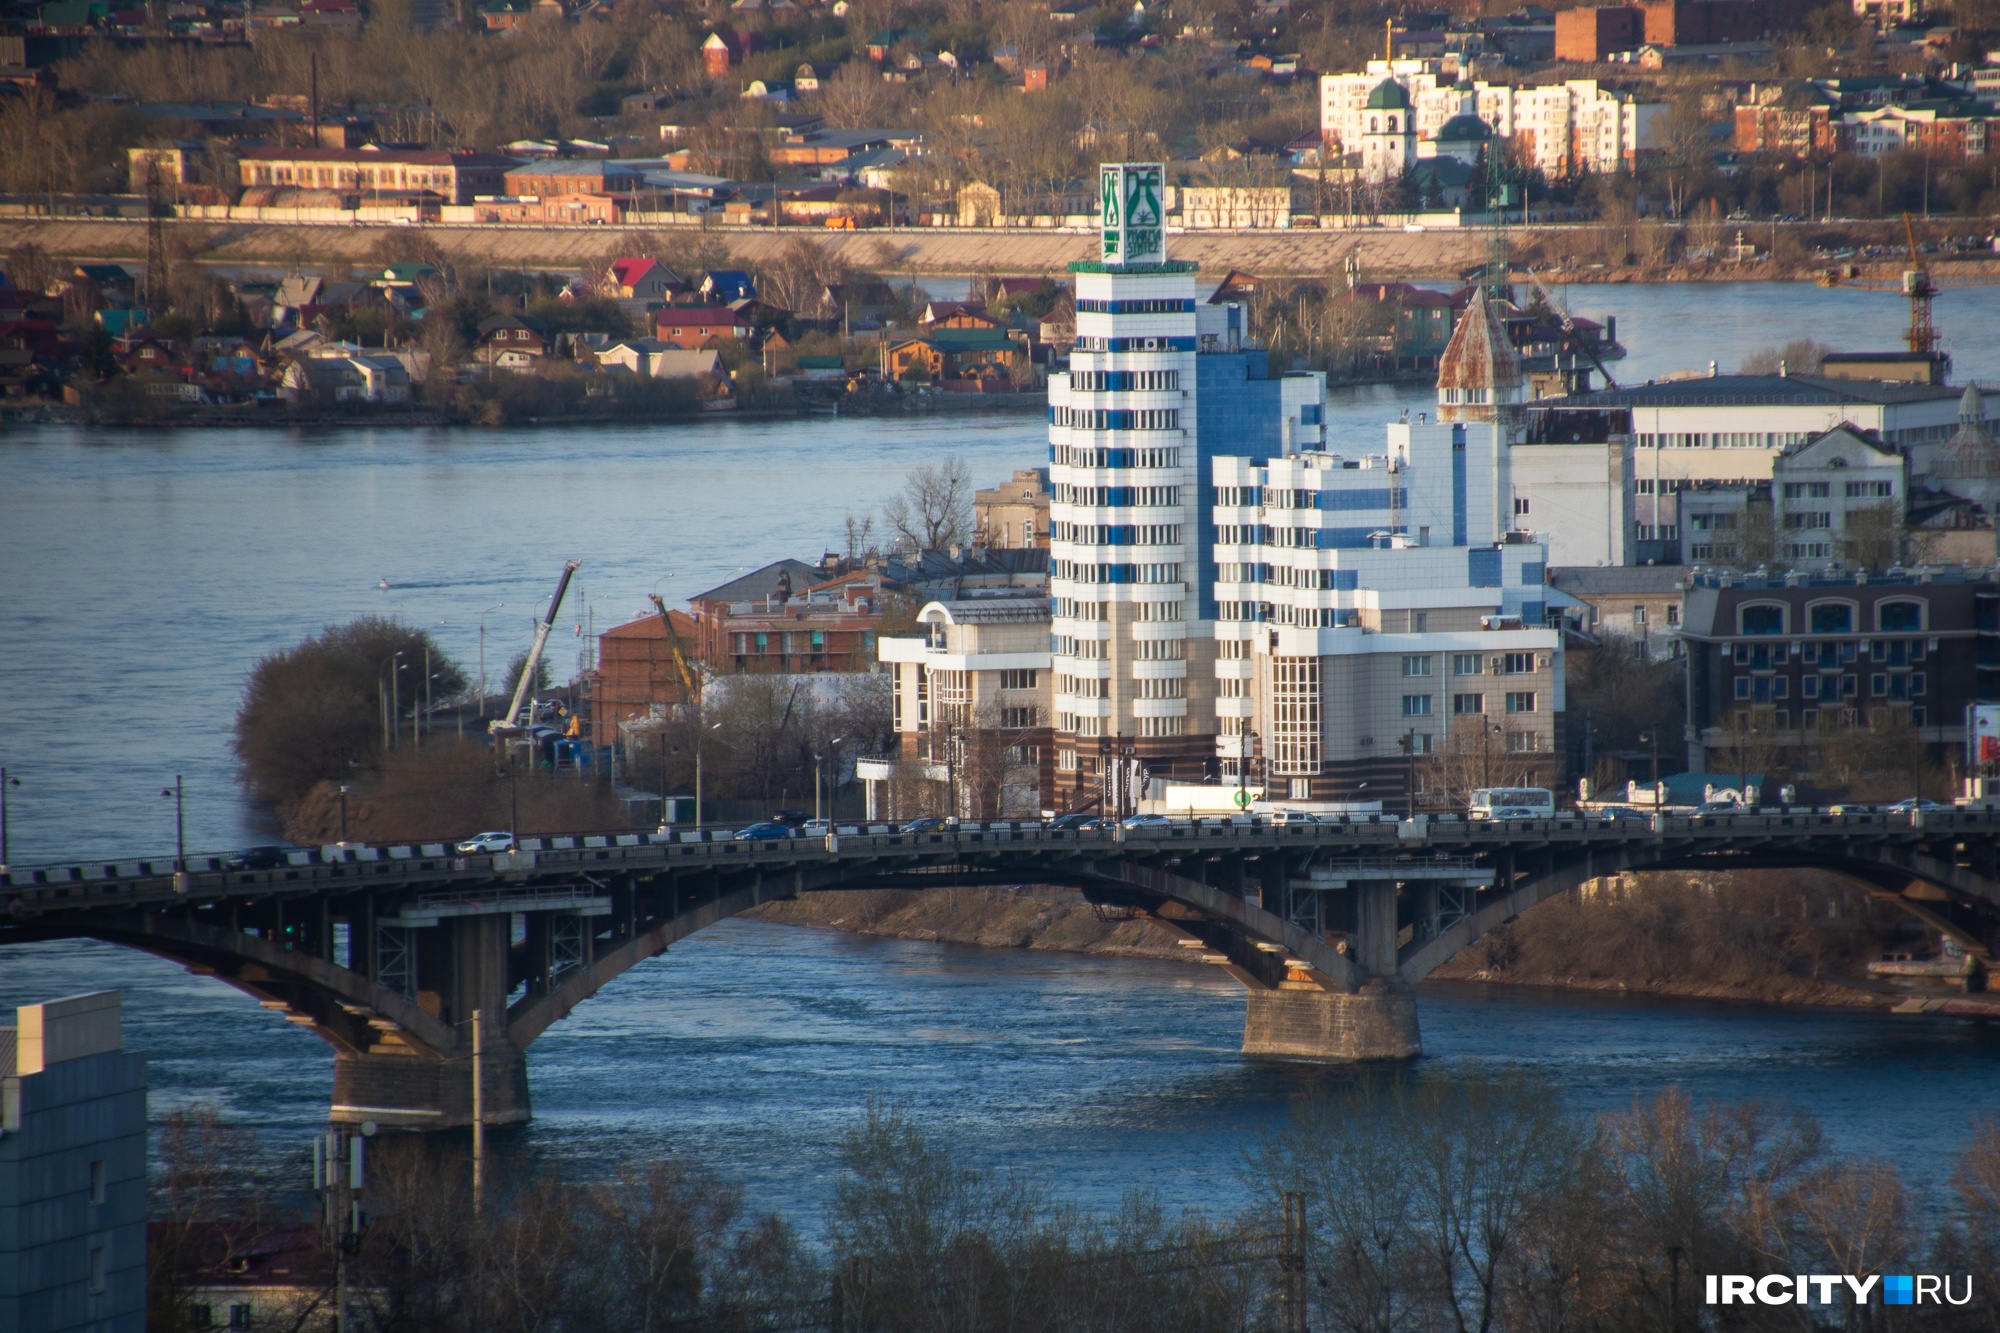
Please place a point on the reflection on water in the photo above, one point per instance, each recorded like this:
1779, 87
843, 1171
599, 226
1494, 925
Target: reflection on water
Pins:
754, 1047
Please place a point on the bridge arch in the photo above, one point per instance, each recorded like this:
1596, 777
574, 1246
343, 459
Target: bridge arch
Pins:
589, 909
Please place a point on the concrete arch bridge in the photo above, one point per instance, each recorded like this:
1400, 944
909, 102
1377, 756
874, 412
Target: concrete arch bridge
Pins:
387, 953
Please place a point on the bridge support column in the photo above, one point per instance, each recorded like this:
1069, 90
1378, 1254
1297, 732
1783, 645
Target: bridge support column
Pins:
462, 970
1379, 1023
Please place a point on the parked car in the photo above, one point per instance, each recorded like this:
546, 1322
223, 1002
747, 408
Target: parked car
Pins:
1076, 819
1294, 817
767, 829
1620, 813
1721, 808
817, 828
1850, 808
486, 843
1912, 803
258, 858
1148, 821
926, 824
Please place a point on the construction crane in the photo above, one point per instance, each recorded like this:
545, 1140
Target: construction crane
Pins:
509, 722
1570, 334
1916, 282
690, 677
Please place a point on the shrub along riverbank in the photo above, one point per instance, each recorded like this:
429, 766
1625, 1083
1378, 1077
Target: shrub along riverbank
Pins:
1792, 937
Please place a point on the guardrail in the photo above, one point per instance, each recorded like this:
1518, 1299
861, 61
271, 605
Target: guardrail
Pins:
309, 867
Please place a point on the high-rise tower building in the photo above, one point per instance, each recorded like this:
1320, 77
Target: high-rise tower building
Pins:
1159, 383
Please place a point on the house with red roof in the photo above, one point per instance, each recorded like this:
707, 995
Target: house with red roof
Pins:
641, 279
696, 326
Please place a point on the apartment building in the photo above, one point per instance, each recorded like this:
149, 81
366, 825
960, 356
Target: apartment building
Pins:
1839, 498
969, 707
1158, 386
1560, 128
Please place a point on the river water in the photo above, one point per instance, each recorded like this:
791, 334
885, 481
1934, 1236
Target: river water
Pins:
145, 573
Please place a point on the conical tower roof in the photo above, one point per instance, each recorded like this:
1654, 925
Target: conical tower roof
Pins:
1971, 453
1480, 357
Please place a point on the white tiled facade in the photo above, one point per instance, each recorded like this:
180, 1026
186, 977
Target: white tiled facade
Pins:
1130, 658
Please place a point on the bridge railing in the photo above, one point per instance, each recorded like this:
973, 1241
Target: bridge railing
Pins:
62, 884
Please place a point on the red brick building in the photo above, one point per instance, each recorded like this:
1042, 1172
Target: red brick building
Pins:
789, 617
1587, 36
1699, 22
636, 676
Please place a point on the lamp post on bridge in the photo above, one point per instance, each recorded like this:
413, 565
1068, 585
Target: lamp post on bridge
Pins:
180, 824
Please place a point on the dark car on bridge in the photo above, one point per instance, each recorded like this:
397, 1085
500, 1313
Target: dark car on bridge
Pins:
259, 858
768, 829
927, 824
1076, 819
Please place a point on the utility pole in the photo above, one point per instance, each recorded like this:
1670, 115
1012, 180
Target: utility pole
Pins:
343, 813
5, 783
478, 1115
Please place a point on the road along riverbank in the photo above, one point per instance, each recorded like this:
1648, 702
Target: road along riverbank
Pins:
1626, 252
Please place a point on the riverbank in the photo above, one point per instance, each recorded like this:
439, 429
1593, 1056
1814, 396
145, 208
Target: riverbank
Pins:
1655, 941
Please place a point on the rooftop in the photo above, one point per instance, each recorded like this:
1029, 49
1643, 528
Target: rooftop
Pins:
1618, 580
1761, 391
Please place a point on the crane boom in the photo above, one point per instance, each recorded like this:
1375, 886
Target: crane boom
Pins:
690, 678
508, 722
1569, 331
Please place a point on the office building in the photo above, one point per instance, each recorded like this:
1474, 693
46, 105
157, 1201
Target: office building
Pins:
72, 1171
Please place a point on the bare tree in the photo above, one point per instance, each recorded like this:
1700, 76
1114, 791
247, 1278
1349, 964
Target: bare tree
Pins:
934, 509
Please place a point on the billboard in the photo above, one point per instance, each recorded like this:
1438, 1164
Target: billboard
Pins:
1983, 737
1132, 222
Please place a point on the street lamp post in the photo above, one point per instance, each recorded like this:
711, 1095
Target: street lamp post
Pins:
5, 783
180, 823
700, 734
343, 813
482, 654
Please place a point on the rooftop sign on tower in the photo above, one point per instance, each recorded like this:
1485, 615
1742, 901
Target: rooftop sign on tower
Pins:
1132, 203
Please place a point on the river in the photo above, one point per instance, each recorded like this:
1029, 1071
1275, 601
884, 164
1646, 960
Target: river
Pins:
145, 573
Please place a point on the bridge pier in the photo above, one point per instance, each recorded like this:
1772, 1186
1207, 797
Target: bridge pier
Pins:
1378, 1023
1300, 1021
461, 968
419, 1092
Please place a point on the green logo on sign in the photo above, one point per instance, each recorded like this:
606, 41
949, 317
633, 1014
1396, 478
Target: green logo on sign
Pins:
1142, 199
1242, 800
1109, 191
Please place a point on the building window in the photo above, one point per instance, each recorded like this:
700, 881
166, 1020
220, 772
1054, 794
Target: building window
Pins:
1162, 726
201, 1316
1521, 701
1522, 742
1903, 617
1831, 617
1295, 715
1300, 789
1762, 619
1878, 685
1016, 719
97, 1181
1467, 664
97, 1268
1066, 760
1517, 664
1419, 743
1466, 704
1416, 705
1419, 665
1017, 678
239, 1316
1673, 616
